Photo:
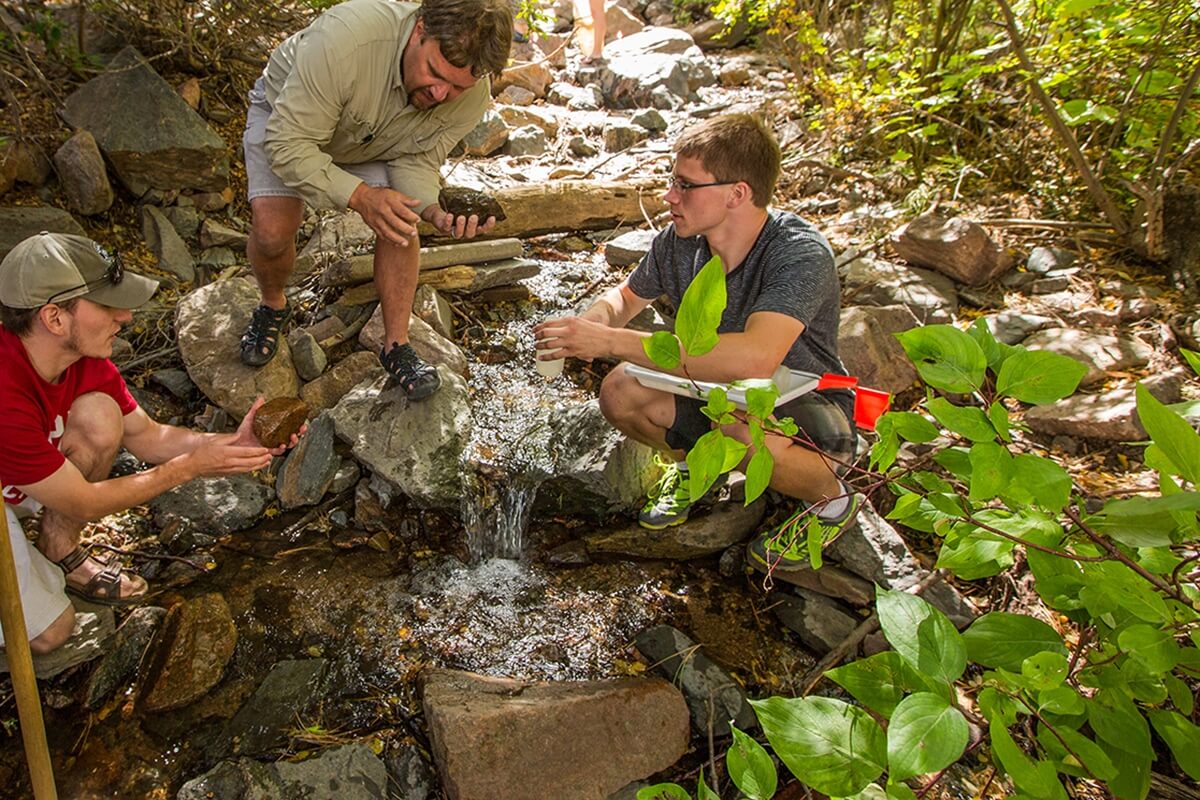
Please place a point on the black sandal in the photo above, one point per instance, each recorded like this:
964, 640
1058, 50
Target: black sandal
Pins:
104, 587
261, 339
407, 370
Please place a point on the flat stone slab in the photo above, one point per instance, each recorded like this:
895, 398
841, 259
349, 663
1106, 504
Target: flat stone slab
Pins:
628, 248
728, 523
931, 297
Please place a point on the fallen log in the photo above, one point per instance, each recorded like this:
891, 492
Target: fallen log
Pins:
359, 269
458, 278
561, 206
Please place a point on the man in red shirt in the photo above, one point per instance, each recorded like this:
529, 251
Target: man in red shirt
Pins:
64, 413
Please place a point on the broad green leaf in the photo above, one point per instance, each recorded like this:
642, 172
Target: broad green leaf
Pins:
705, 461
717, 404
662, 348
1145, 685
1150, 530
997, 414
1116, 720
912, 427
1045, 670
1171, 433
872, 791
991, 469
1111, 585
1000, 639
905, 504
1192, 358
922, 635
1045, 481
878, 682
1132, 778
972, 553
1182, 737
945, 357
704, 791
1181, 694
750, 768
832, 746
758, 473
993, 351
1037, 779
1080, 755
701, 308
999, 707
663, 791
900, 791
760, 402
1039, 377
1154, 648
925, 734
1061, 700
956, 460
967, 421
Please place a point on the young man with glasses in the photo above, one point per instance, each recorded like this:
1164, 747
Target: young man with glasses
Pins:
358, 111
783, 308
66, 413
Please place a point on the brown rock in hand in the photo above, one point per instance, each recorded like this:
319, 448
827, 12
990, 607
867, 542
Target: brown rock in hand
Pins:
277, 420
464, 202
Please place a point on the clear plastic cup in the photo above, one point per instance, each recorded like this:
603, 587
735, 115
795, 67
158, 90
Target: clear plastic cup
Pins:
549, 369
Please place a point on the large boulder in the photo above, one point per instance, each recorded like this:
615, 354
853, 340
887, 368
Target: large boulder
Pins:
956, 247
414, 446
18, 223
291, 688
209, 323
653, 59
156, 141
1099, 352
216, 505
931, 297
498, 738
194, 644
427, 342
870, 350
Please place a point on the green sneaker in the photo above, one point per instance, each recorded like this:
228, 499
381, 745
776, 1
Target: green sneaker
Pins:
670, 501
796, 544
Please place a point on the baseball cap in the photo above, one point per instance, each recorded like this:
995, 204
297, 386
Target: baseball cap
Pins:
52, 267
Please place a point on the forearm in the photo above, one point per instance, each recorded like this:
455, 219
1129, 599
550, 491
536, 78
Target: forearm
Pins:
736, 356
613, 308
162, 443
94, 501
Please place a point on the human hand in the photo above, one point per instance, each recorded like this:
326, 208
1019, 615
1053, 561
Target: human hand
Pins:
571, 336
389, 213
458, 227
222, 455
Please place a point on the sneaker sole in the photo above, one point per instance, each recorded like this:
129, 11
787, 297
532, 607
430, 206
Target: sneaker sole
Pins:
650, 526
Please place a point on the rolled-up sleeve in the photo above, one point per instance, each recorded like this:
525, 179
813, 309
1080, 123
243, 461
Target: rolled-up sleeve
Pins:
304, 117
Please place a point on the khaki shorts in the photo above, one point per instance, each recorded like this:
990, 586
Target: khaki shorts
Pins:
43, 585
260, 180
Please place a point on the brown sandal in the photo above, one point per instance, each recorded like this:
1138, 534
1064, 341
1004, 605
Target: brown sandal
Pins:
104, 587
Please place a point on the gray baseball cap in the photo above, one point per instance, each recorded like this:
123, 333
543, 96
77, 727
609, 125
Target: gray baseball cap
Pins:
52, 267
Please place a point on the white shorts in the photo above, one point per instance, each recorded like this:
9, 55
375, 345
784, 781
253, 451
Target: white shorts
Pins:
43, 585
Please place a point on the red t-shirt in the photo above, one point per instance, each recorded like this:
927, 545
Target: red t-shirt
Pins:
33, 413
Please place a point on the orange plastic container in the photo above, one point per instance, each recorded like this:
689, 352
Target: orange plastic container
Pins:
869, 404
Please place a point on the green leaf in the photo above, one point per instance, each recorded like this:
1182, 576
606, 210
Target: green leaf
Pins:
705, 460
991, 469
972, 553
1181, 694
999, 707
663, 791
750, 768
1088, 758
704, 791
1133, 772
1182, 737
1154, 648
663, 349
912, 427
1116, 720
1000, 639
1171, 433
922, 635
945, 357
925, 734
701, 308
1045, 670
878, 682
1061, 700
967, 421
956, 460
1045, 481
993, 351
832, 746
1192, 358
717, 404
1037, 779
1145, 685
997, 414
758, 473
760, 402
1039, 377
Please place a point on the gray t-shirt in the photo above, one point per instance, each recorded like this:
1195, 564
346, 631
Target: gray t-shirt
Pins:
789, 270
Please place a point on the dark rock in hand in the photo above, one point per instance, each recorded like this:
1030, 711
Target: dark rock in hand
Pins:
464, 202
277, 420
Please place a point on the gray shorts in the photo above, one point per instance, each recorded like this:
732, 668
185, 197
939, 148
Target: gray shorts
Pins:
41, 584
823, 421
260, 180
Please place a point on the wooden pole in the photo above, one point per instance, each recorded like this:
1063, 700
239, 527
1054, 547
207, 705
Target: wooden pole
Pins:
20, 667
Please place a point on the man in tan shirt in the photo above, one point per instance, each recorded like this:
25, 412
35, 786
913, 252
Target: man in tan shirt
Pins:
359, 110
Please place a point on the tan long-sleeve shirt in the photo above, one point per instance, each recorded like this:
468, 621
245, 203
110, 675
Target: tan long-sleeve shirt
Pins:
337, 94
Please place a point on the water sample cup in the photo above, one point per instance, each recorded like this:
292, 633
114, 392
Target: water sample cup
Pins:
549, 369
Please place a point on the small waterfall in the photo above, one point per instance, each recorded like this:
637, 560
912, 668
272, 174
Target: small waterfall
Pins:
496, 509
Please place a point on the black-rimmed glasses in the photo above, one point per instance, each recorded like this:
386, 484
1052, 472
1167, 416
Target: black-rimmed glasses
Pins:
112, 276
679, 183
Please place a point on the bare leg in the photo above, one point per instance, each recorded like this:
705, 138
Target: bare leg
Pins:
799, 472
599, 30
396, 271
56, 635
93, 434
271, 248
640, 413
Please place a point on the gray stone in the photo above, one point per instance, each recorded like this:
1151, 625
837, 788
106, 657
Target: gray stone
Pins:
327, 390
620, 135
713, 697
516, 96
220, 505
955, 247
214, 234
89, 638
186, 220
410, 777
580, 146
175, 381
1013, 327
821, 623
569, 554
166, 245
156, 141
650, 119
288, 691
83, 175
1045, 259
431, 307
209, 323
337, 236
729, 522
628, 248
529, 140
243, 779
120, 663
347, 475
349, 772
1050, 285
414, 446
932, 298
18, 223
487, 137
1099, 352
307, 356
309, 467
869, 349
831, 581
216, 258
655, 59
194, 644
1110, 416
734, 74
22, 161
424, 340
494, 737
544, 117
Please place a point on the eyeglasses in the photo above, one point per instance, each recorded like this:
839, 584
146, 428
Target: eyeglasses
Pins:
679, 183
112, 276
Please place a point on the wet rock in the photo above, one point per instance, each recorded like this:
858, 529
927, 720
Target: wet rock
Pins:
729, 522
597, 470
414, 446
528, 140
487, 137
732, 561
869, 349
119, 665
157, 141
431, 307
650, 119
955, 247
463, 202
570, 554
620, 135
424, 340
179, 537
410, 777
821, 623
164, 241
872, 549
195, 643
218, 505
209, 323
278, 420
932, 298
629, 248
84, 178
545, 117
346, 475
308, 470
1046, 259
1099, 352
349, 772
704, 684
831, 581
331, 387
308, 357
663, 59
1013, 327
214, 234
175, 381
89, 638
494, 737
243, 779
18, 223
290, 689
